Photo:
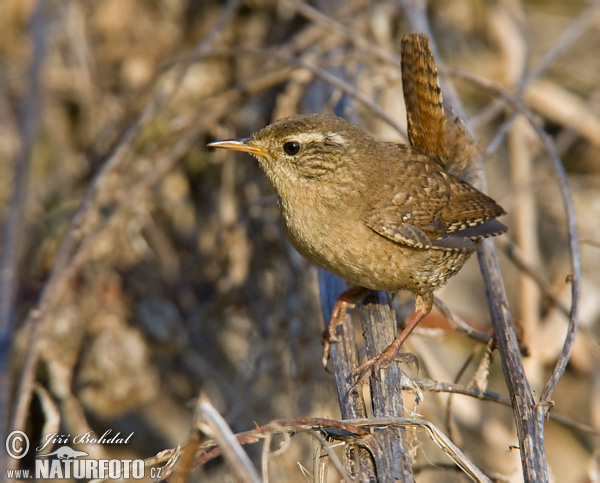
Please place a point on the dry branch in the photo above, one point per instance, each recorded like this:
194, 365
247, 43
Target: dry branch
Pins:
14, 226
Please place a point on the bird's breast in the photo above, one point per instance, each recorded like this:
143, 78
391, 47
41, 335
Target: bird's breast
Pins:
336, 238
319, 224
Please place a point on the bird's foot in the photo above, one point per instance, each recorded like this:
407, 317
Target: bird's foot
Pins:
347, 300
390, 354
381, 361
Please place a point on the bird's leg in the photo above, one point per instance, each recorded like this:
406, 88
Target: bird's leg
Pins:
347, 300
423, 305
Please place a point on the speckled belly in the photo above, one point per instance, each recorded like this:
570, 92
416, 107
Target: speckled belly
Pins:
379, 264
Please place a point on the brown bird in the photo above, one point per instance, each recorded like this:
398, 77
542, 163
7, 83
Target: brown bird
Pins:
380, 215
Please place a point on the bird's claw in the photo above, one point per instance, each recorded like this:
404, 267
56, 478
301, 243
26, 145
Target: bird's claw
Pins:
408, 358
327, 340
345, 301
368, 369
330, 336
371, 367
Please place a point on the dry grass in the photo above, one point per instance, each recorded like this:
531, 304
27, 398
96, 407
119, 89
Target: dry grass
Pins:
142, 269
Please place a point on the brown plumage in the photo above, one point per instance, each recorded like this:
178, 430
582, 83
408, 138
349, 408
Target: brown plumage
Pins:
430, 130
381, 215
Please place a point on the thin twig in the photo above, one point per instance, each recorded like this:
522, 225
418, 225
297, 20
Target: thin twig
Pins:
514, 254
266, 450
208, 417
454, 388
350, 430
459, 325
575, 276
15, 220
332, 429
437, 437
448, 415
330, 453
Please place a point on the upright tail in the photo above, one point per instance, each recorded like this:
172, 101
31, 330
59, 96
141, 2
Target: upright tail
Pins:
430, 129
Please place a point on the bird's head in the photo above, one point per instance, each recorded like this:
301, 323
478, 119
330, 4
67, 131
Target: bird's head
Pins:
299, 150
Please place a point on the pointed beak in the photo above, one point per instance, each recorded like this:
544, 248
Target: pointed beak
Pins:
242, 144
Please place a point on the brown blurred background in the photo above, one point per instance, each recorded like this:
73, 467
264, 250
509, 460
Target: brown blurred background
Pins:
178, 279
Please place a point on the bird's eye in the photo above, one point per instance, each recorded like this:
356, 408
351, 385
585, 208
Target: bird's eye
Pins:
291, 147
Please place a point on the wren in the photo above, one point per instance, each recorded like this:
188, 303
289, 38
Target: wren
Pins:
380, 215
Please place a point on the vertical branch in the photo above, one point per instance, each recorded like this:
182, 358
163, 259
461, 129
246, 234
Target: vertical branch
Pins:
529, 426
14, 226
344, 359
379, 328
571, 228
344, 356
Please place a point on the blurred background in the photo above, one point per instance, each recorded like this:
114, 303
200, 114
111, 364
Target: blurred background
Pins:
158, 269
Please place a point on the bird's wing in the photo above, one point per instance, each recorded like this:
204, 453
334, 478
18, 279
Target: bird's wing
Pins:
434, 211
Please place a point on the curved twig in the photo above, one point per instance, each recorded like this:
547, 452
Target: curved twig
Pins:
437, 386
575, 276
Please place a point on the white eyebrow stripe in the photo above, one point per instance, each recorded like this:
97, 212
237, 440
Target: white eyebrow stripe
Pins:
311, 137
318, 137
336, 138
